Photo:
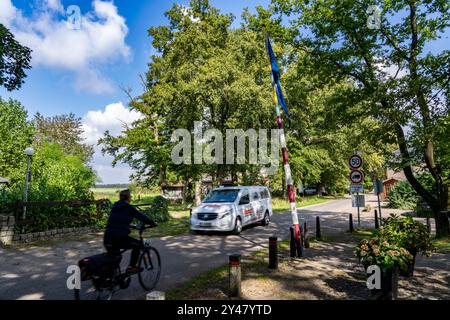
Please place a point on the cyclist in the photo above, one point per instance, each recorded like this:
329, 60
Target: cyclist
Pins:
118, 229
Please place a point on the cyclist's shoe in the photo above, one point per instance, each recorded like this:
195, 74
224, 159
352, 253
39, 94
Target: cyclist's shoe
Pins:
133, 270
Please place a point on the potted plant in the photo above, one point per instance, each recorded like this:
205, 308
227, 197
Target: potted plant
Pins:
409, 234
389, 258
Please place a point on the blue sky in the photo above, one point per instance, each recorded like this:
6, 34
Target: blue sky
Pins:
82, 71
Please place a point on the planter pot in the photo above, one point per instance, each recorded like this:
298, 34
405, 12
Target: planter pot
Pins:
410, 271
389, 286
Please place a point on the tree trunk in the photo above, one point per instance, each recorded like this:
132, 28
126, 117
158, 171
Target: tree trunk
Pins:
198, 192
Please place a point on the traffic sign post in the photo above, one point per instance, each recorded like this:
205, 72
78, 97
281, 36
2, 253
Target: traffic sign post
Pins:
379, 190
357, 178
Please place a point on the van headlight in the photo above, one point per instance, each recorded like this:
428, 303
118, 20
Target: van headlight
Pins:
225, 214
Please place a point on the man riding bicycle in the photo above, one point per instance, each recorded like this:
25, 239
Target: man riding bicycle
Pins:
118, 229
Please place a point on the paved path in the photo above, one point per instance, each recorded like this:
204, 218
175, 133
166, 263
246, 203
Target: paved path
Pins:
39, 272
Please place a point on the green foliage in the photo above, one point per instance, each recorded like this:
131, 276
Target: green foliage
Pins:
402, 196
379, 252
407, 233
65, 130
56, 176
159, 210
16, 134
14, 60
104, 211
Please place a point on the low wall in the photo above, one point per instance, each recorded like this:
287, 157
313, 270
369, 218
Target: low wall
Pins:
7, 236
6, 229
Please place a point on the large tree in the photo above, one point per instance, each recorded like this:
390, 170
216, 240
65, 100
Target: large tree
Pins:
397, 77
14, 60
204, 71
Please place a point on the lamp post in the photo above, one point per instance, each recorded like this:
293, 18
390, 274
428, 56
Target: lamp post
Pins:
29, 152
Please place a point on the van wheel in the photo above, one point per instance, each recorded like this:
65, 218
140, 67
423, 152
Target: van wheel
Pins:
266, 220
237, 226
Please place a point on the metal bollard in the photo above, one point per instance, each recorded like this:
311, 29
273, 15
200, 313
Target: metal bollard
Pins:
318, 233
156, 295
235, 275
351, 222
292, 243
377, 226
273, 253
306, 236
298, 244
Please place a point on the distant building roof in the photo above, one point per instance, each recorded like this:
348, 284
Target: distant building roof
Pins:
397, 175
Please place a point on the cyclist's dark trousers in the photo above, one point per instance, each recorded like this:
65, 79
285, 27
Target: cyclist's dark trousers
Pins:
115, 243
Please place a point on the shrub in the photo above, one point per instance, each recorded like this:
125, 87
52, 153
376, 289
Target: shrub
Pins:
402, 196
407, 233
379, 252
159, 210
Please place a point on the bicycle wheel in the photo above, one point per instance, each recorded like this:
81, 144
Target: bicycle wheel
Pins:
150, 265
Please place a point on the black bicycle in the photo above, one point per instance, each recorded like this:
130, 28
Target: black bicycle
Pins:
106, 278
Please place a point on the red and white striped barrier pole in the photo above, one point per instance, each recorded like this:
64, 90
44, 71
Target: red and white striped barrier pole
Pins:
289, 181
279, 101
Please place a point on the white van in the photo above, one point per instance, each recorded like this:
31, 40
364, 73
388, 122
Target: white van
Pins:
231, 208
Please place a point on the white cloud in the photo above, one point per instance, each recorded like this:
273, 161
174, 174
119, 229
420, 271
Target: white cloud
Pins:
7, 12
113, 118
99, 41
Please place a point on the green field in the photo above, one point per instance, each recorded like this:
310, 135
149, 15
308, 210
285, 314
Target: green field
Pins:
113, 195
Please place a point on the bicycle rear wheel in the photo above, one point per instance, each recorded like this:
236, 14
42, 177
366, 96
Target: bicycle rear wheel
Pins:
150, 266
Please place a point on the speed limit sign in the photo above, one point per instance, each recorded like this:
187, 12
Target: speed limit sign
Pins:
355, 162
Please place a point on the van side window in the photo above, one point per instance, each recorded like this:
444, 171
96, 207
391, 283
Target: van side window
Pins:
245, 199
255, 196
265, 194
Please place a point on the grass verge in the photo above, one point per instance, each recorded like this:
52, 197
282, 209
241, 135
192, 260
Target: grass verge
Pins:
281, 204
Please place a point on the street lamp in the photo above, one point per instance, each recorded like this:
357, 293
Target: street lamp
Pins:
29, 152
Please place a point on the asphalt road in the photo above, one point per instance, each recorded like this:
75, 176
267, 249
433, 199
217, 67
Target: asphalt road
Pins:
40, 272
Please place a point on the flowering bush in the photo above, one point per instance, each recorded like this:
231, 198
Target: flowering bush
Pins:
407, 233
381, 253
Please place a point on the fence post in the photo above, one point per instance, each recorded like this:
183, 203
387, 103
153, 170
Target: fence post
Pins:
350, 217
306, 236
273, 253
318, 232
428, 225
377, 226
235, 275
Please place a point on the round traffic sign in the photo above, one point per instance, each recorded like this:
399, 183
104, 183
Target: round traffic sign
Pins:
355, 162
356, 176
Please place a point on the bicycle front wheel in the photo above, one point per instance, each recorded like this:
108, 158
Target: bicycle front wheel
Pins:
150, 268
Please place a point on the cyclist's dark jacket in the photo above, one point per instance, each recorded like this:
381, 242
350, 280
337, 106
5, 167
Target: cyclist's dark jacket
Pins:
122, 214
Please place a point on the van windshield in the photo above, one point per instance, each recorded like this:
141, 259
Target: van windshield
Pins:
222, 196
